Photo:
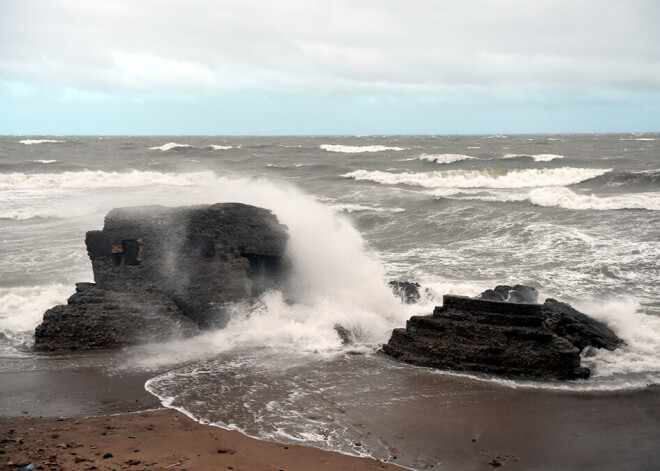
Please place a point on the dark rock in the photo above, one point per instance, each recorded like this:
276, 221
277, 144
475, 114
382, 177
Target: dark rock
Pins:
513, 339
407, 291
162, 272
580, 329
344, 334
514, 294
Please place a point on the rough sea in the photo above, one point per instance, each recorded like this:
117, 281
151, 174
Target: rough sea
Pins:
576, 216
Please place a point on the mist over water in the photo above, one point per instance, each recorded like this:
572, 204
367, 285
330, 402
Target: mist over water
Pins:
577, 217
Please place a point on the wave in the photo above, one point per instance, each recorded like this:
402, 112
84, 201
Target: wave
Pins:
21, 308
29, 142
217, 147
356, 149
44, 161
445, 158
567, 199
489, 178
170, 146
100, 179
638, 139
536, 157
351, 208
636, 179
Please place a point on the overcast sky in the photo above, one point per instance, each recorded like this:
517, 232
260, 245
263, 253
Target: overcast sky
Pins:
331, 67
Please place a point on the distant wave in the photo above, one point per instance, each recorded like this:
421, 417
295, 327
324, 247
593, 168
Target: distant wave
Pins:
100, 179
29, 142
356, 149
351, 208
44, 161
536, 157
565, 198
637, 139
23, 214
176, 146
489, 178
170, 146
496, 136
445, 158
623, 178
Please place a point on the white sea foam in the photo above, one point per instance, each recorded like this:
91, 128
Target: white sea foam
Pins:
490, 178
44, 161
29, 142
536, 157
21, 308
101, 179
445, 158
218, 147
170, 146
565, 198
638, 139
351, 208
356, 149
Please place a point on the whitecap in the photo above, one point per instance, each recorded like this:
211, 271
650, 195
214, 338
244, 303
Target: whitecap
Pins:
100, 179
29, 142
536, 157
44, 161
565, 198
489, 178
218, 147
357, 149
445, 158
170, 146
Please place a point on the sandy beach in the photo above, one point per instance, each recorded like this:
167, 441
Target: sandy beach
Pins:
155, 440
64, 419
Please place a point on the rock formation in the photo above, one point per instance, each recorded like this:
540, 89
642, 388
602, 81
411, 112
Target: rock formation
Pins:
161, 272
506, 338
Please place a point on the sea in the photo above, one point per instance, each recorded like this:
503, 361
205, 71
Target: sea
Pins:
575, 216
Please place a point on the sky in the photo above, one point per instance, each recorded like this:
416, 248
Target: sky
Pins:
260, 67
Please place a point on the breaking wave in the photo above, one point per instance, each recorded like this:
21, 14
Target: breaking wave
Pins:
218, 147
565, 198
536, 157
356, 149
44, 161
29, 142
444, 158
489, 178
170, 146
100, 179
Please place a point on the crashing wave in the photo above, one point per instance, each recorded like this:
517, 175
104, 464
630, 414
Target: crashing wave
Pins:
29, 142
100, 179
489, 178
170, 146
356, 149
536, 157
567, 199
445, 158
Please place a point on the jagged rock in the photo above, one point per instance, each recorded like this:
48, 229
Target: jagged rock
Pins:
514, 294
164, 271
407, 291
581, 330
513, 339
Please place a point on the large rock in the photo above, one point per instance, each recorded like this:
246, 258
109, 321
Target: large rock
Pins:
506, 338
161, 272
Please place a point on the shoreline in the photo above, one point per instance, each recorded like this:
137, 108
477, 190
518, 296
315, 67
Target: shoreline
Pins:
156, 440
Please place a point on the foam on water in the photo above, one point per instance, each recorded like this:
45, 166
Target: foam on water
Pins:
44, 161
489, 178
101, 179
170, 146
536, 157
565, 198
219, 147
357, 149
445, 158
29, 142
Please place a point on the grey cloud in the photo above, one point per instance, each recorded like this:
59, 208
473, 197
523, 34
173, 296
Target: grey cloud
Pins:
214, 47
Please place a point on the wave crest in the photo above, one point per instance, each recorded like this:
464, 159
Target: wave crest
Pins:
567, 199
30, 142
170, 146
100, 179
356, 149
445, 158
535, 157
489, 178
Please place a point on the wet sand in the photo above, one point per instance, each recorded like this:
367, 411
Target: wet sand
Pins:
475, 425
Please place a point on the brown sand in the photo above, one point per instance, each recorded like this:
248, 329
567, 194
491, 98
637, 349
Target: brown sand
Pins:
155, 440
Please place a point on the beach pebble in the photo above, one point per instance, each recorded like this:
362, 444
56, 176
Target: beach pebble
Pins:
107, 455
